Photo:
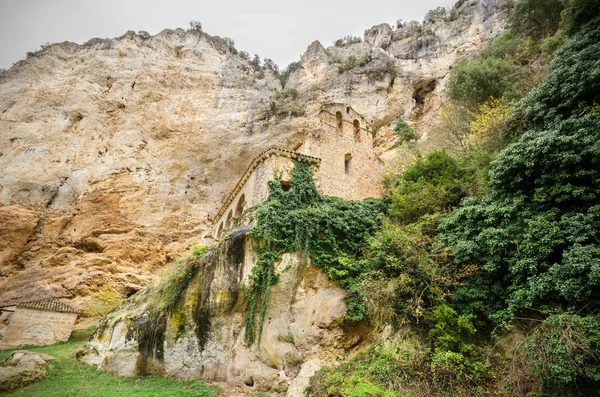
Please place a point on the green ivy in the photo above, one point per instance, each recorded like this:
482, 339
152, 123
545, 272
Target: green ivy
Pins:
330, 231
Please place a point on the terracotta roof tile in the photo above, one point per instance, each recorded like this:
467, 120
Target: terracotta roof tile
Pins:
50, 304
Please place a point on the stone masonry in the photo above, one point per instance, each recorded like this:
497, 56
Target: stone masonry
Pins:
341, 151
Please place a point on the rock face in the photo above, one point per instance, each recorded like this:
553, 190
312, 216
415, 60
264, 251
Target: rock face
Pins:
21, 368
203, 334
116, 154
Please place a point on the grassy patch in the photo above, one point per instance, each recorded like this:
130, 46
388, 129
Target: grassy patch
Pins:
67, 376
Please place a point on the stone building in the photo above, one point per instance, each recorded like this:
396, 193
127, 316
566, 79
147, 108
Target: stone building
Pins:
340, 149
39, 322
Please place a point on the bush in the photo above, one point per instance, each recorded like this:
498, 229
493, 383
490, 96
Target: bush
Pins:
562, 355
535, 234
196, 25
347, 41
474, 81
578, 13
536, 18
454, 359
572, 87
436, 14
403, 130
198, 251
231, 45
143, 34
432, 184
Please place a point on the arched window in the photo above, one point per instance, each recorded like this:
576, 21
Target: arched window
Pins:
348, 163
228, 221
356, 125
338, 117
219, 231
239, 209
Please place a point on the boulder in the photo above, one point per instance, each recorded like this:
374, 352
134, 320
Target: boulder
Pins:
21, 368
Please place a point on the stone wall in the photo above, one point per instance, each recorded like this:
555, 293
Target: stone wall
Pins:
349, 168
37, 327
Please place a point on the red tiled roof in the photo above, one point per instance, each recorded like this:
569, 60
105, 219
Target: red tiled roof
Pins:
50, 304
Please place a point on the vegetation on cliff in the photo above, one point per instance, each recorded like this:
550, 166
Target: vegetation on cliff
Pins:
330, 231
487, 263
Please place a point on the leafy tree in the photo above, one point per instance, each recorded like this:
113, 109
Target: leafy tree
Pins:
578, 13
255, 62
474, 81
536, 18
231, 45
573, 86
405, 132
436, 14
285, 74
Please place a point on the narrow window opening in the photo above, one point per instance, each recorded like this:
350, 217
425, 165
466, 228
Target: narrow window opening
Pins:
286, 186
228, 221
356, 124
347, 109
239, 209
348, 164
338, 117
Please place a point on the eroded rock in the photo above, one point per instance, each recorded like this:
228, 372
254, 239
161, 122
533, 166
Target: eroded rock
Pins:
21, 368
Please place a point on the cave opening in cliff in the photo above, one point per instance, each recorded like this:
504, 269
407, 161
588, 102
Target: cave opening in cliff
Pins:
338, 117
420, 95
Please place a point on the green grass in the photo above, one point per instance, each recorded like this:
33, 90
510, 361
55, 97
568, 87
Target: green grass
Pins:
68, 377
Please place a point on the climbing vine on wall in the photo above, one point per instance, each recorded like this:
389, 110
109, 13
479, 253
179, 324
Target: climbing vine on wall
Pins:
331, 231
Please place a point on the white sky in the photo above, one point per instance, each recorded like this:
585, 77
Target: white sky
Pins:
278, 30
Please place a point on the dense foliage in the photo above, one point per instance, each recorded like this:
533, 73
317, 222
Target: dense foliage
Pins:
504, 236
330, 231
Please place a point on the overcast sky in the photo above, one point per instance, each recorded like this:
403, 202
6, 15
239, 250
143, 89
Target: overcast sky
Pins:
280, 30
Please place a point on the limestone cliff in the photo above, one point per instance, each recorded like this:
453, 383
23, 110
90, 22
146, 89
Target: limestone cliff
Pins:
202, 335
116, 154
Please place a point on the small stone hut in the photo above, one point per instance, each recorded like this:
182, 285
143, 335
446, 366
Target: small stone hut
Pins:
40, 322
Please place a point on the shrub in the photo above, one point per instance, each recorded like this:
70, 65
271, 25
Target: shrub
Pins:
578, 13
143, 34
536, 18
563, 353
429, 185
572, 87
454, 358
198, 250
171, 284
347, 41
285, 74
487, 129
231, 45
255, 62
436, 14
474, 81
403, 130
196, 25
270, 65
